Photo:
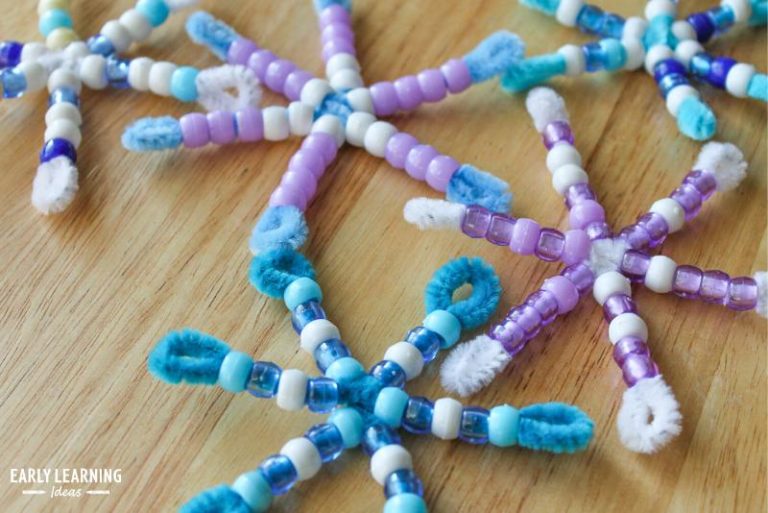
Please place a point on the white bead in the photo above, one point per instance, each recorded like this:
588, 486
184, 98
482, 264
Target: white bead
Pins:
35, 75
292, 390
671, 211
300, 118
304, 456
685, 51
330, 125
276, 126
627, 325
346, 79
388, 459
160, 77
63, 110
635, 53
76, 50
136, 24
446, 418
60, 38
64, 78
314, 91
634, 28
737, 80
47, 5
360, 99
357, 125
561, 154
683, 30
33, 51
117, 34
138, 73
63, 129
566, 176
339, 62
660, 274
568, 11
406, 356
610, 283
317, 332
677, 95
659, 7
574, 59
656, 54
742, 9
377, 137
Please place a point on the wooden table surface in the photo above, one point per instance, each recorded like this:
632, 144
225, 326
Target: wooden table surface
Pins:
158, 241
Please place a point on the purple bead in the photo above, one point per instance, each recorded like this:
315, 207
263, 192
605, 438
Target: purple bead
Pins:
288, 195
598, 230
635, 236
581, 276
687, 281
550, 245
58, 147
714, 287
525, 236
689, 198
334, 13
500, 230
637, 367
576, 248
337, 31
221, 126
408, 92
456, 75
398, 148
324, 144
295, 82
240, 51
511, 336
618, 304
432, 85
250, 124
476, 221
418, 159
704, 181
545, 304
702, 25
634, 265
528, 318
276, 73
565, 292
302, 179
656, 227
307, 159
577, 193
335, 46
628, 346
194, 129
384, 98
259, 61
742, 294
440, 171
555, 132
586, 212
718, 70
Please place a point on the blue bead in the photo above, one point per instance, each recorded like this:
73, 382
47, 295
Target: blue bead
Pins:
279, 473
265, 377
302, 290
613, 26
235, 371
327, 439
667, 67
718, 70
405, 503
503, 422
377, 436
100, 45
345, 370
593, 57
671, 81
184, 83
390, 406
328, 352
418, 415
722, 17
350, 424
590, 19
614, 54
306, 313
13, 83
156, 11
254, 489
474, 425
57, 148
426, 341
445, 324
388, 373
322, 395
64, 95
700, 65
10, 53
117, 72
702, 25
403, 481
53, 19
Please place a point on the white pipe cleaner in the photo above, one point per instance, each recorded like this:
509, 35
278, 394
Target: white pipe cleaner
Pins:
761, 277
213, 85
433, 214
725, 161
649, 416
473, 365
545, 106
54, 186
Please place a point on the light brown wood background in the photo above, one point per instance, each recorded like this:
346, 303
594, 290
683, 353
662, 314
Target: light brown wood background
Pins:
158, 241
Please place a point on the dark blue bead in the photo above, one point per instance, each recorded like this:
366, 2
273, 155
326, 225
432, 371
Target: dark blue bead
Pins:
593, 57
57, 148
389, 374
10, 53
474, 425
669, 82
590, 19
322, 395
718, 70
613, 26
101, 45
330, 351
306, 313
13, 83
280, 473
667, 67
265, 377
403, 481
703, 25
117, 72
64, 95
377, 436
327, 439
426, 341
700, 65
417, 417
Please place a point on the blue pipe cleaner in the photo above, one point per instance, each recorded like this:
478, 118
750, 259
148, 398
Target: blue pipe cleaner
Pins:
282, 226
554, 427
696, 120
494, 55
189, 356
221, 499
214, 34
545, 6
470, 186
272, 271
151, 134
527, 73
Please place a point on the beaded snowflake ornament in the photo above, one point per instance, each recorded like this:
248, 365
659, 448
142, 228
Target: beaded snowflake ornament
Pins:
670, 50
600, 263
65, 64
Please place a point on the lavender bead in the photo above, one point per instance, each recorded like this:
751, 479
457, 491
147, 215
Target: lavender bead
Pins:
277, 72
629, 346
259, 61
335, 46
704, 181
565, 292
384, 98
598, 230
240, 51
576, 247
634, 265
550, 245
336, 31
581, 276
221, 126
408, 92
714, 287
525, 236
687, 281
476, 221
322, 143
656, 227
635, 236
585, 213
307, 160
334, 13
250, 124
418, 159
288, 195
528, 318
689, 198
577, 193
194, 130
742, 294
545, 304
302, 179
456, 75
398, 148
440, 171
510, 335
500, 230
637, 367
432, 85
616, 305
555, 132
294, 83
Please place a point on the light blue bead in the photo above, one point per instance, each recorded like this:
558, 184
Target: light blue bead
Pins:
235, 371
445, 324
502, 425
183, 83
614, 54
405, 503
390, 405
345, 370
350, 424
53, 19
254, 490
758, 87
13, 83
300, 291
156, 11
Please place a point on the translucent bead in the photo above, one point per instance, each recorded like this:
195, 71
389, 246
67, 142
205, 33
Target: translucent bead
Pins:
703, 180
577, 193
703, 26
322, 395
101, 45
306, 313
10, 53
474, 425
377, 436
718, 71
742, 294
550, 245
555, 132
327, 439
511, 336
722, 17
500, 230
328, 352
117, 72
528, 318
689, 198
545, 304
590, 19
635, 236
634, 264
64, 95
279, 473
618, 304
403, 481
58, 148
687, 281
389, 374
637, 367
613, 26
581, 276
426, 341
476, 221
628, 346
418, 415
669, 82
700, 65
656, 227
13, 83
667, 67
265, 377
598, 230
593, 56
714, 287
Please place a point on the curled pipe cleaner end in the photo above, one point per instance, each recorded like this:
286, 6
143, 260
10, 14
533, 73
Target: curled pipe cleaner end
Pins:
321, 5
758, 87
210, 32
470, 186
220, 499
761, 277
272, 271
649, 416
472, 365
214, 84
726, 163
434, 214
696, 120
189, 356
282, 226
546, 6
545, 106
554, 427
54, 186
494, 55
153, 134
527, 73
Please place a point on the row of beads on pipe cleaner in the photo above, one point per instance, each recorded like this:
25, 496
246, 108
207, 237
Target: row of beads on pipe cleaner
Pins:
600, 262
670, 50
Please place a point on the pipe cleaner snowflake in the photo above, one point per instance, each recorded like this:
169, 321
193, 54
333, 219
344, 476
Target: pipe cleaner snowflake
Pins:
670, 50
599, 262
65, 64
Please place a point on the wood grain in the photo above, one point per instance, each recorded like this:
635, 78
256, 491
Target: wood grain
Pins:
158, 241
